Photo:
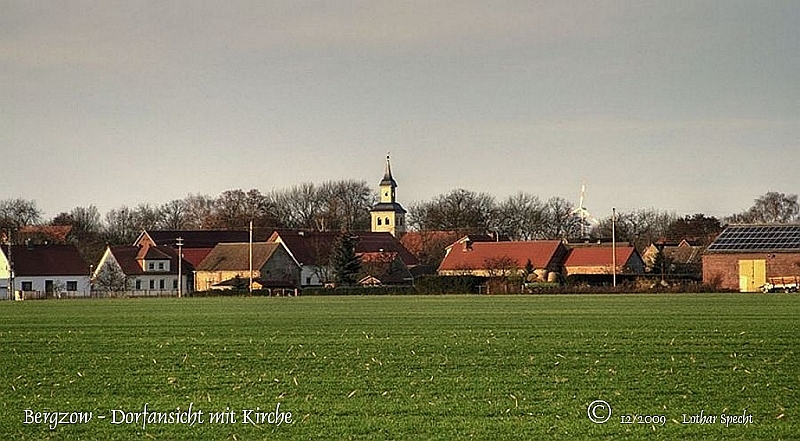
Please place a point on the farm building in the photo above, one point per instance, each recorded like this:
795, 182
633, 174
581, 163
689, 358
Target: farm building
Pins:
196, 244
229, 263
746, 257
596, 263
494, 259
683, 260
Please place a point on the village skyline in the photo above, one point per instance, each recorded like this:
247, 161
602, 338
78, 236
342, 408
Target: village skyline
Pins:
685, 107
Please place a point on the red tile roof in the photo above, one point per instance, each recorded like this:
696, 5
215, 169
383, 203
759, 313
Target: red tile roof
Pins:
128, 258
598, 256
195, 255
54, 233
474, 256
47, 260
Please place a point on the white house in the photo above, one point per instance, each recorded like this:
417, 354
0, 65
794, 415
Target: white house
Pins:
44, 271
146, 270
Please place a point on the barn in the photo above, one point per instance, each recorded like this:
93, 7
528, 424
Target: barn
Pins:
746, 257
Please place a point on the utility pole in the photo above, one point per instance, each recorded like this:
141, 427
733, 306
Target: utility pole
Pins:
179, 242
250, 286
614, 245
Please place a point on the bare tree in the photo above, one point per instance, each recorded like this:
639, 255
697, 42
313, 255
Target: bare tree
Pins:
120, 226
111, 278
87, 231
299, 206
696, 228
174, 215
562, 223
199, 211
346, 205
639, 227
523, 217
772, 207
16, 213
460, 210
146, 217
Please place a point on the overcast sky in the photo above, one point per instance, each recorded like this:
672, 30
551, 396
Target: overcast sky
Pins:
686, 106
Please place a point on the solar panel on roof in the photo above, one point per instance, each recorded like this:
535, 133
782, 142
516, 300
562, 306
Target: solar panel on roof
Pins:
758, 238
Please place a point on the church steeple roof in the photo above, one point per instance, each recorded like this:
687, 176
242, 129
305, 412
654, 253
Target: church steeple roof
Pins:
387, 176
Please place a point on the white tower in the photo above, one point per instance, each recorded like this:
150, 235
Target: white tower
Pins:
388, 215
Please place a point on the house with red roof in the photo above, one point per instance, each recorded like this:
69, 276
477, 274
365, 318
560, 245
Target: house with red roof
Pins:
491, 259
196, 244
144, 270
599, 261
44, 271
312, 250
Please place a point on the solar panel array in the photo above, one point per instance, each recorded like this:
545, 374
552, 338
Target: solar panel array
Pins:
758, 238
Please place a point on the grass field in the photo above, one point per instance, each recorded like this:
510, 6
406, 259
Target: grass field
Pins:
449, 367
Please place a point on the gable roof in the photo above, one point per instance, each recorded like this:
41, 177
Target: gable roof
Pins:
47, 260
757, 238
128, 257
685, 254
236, 256
193, 238
467, 255
153, 253
195, 255
314, 247
599, 256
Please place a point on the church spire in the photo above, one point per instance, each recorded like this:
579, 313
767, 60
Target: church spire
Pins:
388, 180
387, 215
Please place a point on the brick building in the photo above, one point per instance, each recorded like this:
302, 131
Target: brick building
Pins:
745, 257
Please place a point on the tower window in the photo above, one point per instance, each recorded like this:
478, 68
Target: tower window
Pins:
379, 221
387, 221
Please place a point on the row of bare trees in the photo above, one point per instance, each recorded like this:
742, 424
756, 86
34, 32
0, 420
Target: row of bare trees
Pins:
344, 205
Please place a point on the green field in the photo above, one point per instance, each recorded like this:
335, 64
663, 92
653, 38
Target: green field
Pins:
438, 367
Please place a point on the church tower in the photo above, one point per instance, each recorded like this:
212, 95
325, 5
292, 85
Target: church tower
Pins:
388, 215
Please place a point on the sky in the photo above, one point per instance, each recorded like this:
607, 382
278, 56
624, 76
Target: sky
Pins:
683, 106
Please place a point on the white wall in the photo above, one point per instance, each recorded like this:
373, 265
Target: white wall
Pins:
60, 284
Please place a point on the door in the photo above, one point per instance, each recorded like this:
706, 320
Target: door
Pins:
752, 275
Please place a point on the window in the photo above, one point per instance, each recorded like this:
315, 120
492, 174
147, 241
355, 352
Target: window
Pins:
379, 221
72, 285
152, 284
161, 284
138, 284
387, 221
151, 266
161, 266
175, 284
27, 286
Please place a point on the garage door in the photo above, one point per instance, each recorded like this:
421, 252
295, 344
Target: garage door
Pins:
752, 275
